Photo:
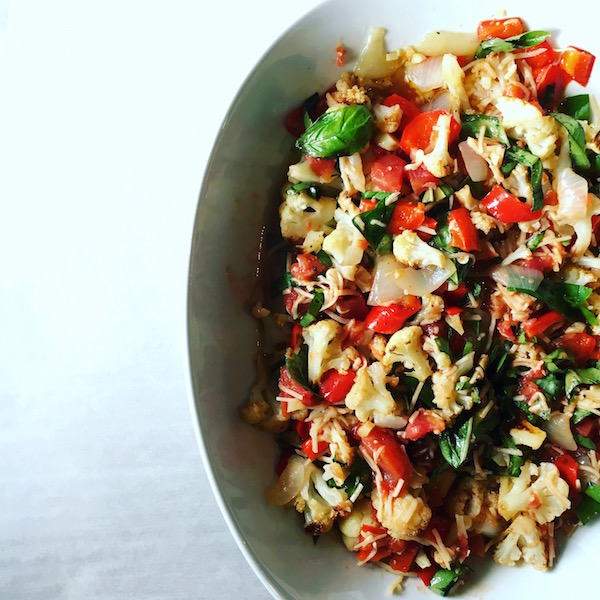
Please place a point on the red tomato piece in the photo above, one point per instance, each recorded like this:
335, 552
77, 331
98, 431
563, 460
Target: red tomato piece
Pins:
426, 575
463, 234
541, 55
582, 345
453, 310
321, 167
420, 134
387, 172
539, 262
512, 90
500, 28
406, 216
441, 524
367, 204
423, 422
568, 469
285, 381
392, 460
352, 307
306, 267
421, 179
409, 109
430, 223
403, 561
507, 208
334, 386
577, 64
307, 448
505, 330
537, 325
388, 319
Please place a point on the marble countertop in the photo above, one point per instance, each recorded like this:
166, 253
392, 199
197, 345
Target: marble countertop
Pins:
109, 111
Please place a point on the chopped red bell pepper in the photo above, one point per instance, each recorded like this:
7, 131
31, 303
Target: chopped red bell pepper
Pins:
537, 325
500, 28
568, 469
306, 267
403, 561
426, 575
453, 310
420, 134
389, 319
539, 56
505, 330
507, 208
334, 386
387, 172
321, 167
409, 109
423, 422
406, 216
550, 74
512, 90
296, 333
307, 448
463, 234
582, 345
367, 204
577, 64
285, 381
421, 179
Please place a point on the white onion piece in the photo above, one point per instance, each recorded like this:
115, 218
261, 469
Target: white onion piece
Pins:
513, 276
426, 75
589, 262
440, 101
559, 431
291, 481
476, 166
436, 43
422, 282
372, 62
572, 190
385, 288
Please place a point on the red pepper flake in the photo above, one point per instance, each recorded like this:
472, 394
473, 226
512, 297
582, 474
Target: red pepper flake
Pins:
340, 55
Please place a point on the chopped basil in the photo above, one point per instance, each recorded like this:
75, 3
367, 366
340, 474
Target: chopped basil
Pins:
534, 241
339, 132
313, 308
385, 245
455, 444
584, 442
553, 360
373, 223
579, 415
324, 258
373, 195
283, 283
297, 366
462, 270
445, 579
577, 107
360, 472
524, 40
444, 346
314, 191
579, 158
577, 377
472, 125
516, 462
587, 509
536, 170
593, 491
551, 385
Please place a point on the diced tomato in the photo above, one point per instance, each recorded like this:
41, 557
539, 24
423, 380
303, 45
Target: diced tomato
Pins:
527, 386
477, 545
352, 307
430, 223
367, 204
421, 179
406, 216
307, 448
306, 267
389, 319
568, 469
285, 381
387, 172
423, 422
577, 64
512, 90
409, 109
382, 545
539, 56
463, 233
537, 325
456, 295
582, 345
507, 208
500, 28
340, 55
426, 575
334, 386
420, 134
322, 167
290, 299
283, 460
505, 330
453, 310
403, 561
296, 333
392, 460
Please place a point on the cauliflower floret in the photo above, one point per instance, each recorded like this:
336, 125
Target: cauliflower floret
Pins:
527, 434
405, 347
443, 385
438, 161
351, 170
387, 118
442, 360
369, 397
404, 517
518, 183
431, 311
578, 275
523, 539
301, 171
483, 221
525, 121
313, 242
324, 344
412, 251
539, 491
454, 78
465, 197
345, 245
475, 499
299, 214
588, 399
350, 525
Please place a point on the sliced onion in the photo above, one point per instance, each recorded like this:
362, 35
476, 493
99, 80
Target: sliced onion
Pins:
392, 281
372, 62
589, 262
440, 101
572, 190
517, 277
291, 481
559, 431
436, 43
476, 166
426, 75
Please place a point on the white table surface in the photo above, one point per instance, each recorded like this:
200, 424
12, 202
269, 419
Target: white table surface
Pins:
108, 111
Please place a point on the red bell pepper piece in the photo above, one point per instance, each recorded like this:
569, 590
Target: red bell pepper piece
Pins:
423, 422
582, 345
463, 233
426, 575
577, 64
568, 469
402, 562
507, 208
537, 325
500, 28
421, 179
389, 319
419, 134
307, 448
406, 216
541, 55
285, 381
409, 109
334, 386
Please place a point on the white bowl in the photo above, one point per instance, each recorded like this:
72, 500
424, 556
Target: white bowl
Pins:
241, 184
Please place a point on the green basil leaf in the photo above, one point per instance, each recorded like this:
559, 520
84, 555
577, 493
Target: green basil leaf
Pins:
373, 195
373, 223
534, 241
593, 491
577, 377
455, 444
536, 170
360, 472
339, 132
577, 107
313, 190
472, 124
324, 258
555, 360
283, 283
585, 442
297, 366
385, 245
579, 415
587, 509
313, 308
444, 346
445, 579
524, 40
551, 385
576, 140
